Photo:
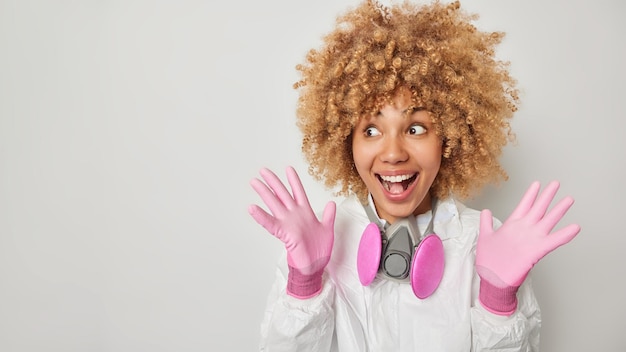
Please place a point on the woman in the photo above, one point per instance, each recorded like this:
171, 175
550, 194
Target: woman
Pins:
405, 110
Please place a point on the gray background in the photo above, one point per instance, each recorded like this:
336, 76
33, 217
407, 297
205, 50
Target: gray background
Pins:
129, 131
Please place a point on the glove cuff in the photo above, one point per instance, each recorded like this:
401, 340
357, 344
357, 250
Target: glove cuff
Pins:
498, 300
304, 286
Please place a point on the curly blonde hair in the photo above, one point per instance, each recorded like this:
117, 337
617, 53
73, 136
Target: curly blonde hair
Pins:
445, 62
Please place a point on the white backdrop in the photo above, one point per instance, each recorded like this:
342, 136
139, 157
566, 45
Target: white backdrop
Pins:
129, 131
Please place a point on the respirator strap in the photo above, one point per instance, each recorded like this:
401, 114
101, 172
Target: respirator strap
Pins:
373, 217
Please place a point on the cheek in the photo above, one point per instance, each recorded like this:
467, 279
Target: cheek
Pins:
431, 156
362, 158
358, 157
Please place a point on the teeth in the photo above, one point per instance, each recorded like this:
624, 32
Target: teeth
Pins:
397, 178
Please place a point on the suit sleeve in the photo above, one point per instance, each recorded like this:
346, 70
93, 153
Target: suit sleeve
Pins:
517, 332
291, 324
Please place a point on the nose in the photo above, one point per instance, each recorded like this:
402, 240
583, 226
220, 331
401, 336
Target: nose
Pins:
394, 150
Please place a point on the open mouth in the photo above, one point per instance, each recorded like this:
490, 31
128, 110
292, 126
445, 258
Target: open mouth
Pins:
398, 183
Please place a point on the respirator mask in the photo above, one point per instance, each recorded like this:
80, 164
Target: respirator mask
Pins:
398, 252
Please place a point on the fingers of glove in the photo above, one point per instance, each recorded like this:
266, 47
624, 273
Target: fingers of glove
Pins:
560, 237
526, 202
486, 223
263, 218
277, 187
328, 217
296, 187
268, 196
555, 214
542, 202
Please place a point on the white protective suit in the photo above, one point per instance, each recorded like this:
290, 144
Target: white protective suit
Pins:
386, 316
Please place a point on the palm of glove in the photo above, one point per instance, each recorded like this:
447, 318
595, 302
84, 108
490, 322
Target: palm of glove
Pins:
505, 256
308, 241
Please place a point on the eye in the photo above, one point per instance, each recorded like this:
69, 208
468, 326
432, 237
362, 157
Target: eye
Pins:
416, 129
371, 131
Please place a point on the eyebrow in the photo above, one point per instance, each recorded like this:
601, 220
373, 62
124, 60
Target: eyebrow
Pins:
412, 109
406, 111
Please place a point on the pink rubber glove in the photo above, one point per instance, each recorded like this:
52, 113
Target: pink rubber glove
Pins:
308, 241
505, 256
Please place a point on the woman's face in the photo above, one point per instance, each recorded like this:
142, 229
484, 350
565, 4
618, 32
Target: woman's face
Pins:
398, 155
